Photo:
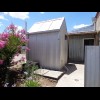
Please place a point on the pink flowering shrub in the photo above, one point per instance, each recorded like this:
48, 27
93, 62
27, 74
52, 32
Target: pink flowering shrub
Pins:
11, 42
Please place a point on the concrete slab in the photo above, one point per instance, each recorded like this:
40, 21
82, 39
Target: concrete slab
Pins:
54, 74
41, 71
74, 79
49, 73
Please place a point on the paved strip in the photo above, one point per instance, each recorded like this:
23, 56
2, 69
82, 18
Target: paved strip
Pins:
74, 79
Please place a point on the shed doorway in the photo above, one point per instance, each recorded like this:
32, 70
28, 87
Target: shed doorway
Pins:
88, 42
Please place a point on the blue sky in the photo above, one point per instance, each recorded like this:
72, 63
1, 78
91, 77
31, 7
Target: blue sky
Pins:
74, 20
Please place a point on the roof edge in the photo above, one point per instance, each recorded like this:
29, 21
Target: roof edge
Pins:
74, 31
50, 20
40, 32
82, 33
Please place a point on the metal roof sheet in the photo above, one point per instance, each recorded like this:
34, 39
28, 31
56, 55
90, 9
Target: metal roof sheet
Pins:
89, 28
46, 25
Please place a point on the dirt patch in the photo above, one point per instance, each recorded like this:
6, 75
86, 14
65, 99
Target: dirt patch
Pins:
47, 82
43, 81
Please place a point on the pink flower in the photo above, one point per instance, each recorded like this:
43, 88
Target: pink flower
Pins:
23, 40
1, 62
27, 49
23, 59
17, 54
2, 44
27, 40
4, 36
11, 26
17, 35
23, 31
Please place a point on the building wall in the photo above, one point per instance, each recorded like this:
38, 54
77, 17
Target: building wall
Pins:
98, 23
45, 49
98, 26
76, 47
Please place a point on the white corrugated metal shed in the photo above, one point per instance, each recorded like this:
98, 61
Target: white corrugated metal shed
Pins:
54, 24
50, 50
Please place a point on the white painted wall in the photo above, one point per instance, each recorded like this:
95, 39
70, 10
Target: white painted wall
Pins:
98, 23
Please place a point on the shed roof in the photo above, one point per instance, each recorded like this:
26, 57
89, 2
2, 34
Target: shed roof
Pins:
48, 25
90, 28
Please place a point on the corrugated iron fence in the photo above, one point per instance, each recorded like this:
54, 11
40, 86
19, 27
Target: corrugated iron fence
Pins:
92, 66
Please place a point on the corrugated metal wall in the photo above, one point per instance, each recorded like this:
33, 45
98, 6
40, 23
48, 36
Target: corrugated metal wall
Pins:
63, 45
92, 66
76, 47
45, 48
99, 38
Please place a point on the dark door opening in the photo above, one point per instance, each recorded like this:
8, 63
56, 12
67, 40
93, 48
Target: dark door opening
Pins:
88, 42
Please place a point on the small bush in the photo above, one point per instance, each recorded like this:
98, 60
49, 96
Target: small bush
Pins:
29, 68
31, 83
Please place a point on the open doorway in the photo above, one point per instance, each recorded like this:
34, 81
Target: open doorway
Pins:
88, 42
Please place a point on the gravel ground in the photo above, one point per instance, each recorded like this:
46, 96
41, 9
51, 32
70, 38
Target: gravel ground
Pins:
43, 81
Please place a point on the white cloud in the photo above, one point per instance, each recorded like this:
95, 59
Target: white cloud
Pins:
5, 12
42, 12
19, 27
1, 24
20, 15
2, 17
80, 26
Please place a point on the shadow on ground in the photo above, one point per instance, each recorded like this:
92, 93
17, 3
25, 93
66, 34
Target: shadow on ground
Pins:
69, 68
